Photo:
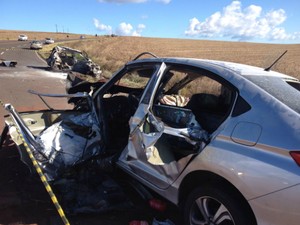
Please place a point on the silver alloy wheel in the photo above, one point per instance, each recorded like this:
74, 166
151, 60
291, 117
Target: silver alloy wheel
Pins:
209, 211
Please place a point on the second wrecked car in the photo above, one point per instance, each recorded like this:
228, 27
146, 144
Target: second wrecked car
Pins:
219, 139
68, 59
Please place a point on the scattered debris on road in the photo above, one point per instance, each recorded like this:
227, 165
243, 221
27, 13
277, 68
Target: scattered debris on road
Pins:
8, 63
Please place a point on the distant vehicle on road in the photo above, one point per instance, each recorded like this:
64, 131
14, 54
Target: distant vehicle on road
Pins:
82, 37
49, 41
22, 37
36, 45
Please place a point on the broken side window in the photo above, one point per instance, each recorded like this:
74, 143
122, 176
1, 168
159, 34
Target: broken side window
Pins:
191, 107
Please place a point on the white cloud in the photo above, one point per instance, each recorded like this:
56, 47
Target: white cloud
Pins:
134, 1
102, 27
193, 28
164, 1
126, 29
241, 24
139, 30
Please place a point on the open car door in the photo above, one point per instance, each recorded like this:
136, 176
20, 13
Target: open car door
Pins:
149, 155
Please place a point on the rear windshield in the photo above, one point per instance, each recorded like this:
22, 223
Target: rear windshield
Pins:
286, 91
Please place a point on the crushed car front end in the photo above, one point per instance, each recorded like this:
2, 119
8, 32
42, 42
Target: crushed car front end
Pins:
59, 139
65, 148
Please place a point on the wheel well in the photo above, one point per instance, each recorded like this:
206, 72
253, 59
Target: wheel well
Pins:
197, 178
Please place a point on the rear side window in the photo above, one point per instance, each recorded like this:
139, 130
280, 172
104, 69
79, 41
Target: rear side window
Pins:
294, 84
286, 91
183, 90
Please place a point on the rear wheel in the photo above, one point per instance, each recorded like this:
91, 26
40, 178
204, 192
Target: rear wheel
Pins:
213, 206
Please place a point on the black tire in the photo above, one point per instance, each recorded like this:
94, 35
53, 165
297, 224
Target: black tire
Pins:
209, 205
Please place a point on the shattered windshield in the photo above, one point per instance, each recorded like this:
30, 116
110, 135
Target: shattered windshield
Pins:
286, 91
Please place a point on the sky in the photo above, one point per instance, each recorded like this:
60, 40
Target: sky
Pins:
268, 21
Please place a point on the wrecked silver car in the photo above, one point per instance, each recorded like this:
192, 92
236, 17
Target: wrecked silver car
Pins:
68, 59
219, 139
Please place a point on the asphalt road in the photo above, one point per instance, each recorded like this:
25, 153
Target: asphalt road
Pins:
31, 72
23, 199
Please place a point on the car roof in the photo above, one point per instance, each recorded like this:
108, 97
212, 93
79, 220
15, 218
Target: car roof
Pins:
239, 75
214, 65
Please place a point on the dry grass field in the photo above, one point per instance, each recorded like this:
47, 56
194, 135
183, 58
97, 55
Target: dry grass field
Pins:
112, 52
13, 35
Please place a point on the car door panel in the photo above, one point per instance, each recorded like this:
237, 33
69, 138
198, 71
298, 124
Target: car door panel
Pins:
149, 153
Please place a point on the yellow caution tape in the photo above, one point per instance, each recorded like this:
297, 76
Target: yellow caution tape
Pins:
43, 179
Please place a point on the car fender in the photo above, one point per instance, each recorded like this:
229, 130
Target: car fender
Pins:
236, 163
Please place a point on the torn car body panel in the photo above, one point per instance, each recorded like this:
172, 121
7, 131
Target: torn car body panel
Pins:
66, 146
59, 140
147, 153
8, 63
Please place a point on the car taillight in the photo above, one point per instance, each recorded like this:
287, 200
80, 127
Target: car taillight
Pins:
296, 156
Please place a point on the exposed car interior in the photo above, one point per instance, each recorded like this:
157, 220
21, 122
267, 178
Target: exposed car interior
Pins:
208, 100
118, 104
191, 99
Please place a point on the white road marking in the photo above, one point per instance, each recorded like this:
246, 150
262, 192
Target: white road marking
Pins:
58, 75
40, 57
33, 74
2, 53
